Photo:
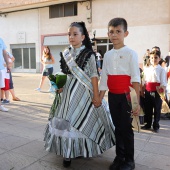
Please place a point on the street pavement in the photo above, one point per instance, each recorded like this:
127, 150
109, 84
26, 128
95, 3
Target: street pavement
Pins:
22, 128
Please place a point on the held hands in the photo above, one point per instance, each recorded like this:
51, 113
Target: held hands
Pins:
96, 101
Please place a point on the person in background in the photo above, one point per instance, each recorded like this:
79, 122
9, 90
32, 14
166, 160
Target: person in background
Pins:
5, 90
47, 61
162, 63
3, 56
98, 55
11, 60
167, 59
154, 76
101, 58
146, 61
120, 70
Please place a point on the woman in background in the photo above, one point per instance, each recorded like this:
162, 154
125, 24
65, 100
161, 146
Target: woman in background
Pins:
47, 60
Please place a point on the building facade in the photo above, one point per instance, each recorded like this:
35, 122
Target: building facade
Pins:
26, 26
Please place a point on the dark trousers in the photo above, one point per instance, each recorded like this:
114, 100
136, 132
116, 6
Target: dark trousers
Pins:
121, 116
153, 105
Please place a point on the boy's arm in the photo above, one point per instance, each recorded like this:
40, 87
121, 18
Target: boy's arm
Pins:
136, 86
5, 55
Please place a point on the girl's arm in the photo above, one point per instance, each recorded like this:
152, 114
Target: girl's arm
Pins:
96, 100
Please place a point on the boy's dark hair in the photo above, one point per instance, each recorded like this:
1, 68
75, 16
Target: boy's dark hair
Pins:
157, 48
155, 52
118, 21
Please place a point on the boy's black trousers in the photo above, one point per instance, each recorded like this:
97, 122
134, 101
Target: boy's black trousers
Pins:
153, 105
121, 116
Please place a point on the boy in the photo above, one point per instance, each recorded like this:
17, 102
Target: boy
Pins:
154, 76
120, 70
3, 56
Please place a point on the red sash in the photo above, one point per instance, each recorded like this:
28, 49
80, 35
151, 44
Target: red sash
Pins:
6, 84
151, 86
119, 84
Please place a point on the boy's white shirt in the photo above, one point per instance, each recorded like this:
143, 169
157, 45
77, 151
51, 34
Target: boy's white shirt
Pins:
117, 62
155, 74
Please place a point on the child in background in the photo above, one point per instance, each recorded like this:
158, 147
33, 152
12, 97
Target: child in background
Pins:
154, 76
5, 90
5, 99
120, 70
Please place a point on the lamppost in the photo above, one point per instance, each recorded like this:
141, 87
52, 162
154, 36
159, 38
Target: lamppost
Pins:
94, 40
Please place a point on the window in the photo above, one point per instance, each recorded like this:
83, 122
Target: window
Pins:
25, 57
63, 10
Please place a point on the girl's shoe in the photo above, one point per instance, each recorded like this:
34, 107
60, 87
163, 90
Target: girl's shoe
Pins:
66, 162
38, 89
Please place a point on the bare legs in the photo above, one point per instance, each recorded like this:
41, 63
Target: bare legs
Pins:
5, 93
42, 81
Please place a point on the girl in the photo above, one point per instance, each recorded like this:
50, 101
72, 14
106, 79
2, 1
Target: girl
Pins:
78, 128
47, 60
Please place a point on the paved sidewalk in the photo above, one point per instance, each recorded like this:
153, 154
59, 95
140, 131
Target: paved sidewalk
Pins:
21, 136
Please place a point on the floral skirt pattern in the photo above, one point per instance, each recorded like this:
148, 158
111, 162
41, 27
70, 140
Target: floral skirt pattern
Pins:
78, 128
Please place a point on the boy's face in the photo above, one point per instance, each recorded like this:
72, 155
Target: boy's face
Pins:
117, 35
154, 59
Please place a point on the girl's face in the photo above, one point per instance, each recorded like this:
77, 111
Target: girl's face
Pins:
154, 59
46, 50
75, 37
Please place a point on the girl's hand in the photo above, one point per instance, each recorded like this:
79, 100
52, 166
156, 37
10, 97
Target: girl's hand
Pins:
60, 90
96, 101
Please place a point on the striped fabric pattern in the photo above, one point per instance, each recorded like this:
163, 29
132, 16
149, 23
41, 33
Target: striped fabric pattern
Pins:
92, 126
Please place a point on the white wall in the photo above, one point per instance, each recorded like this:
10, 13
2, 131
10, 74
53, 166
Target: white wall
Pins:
145, 37
25, 21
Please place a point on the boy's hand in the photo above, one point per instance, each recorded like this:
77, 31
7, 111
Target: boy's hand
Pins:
8, 68
137, 111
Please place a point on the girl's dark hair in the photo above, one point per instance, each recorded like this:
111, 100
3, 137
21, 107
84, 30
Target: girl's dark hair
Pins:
83, 30
118, 21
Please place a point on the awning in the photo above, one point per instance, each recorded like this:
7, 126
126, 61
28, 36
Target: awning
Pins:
56, 40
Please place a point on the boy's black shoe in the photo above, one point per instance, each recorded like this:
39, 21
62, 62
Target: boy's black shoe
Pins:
116, 164
127, 166
156, 130
145, 127
66, 162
